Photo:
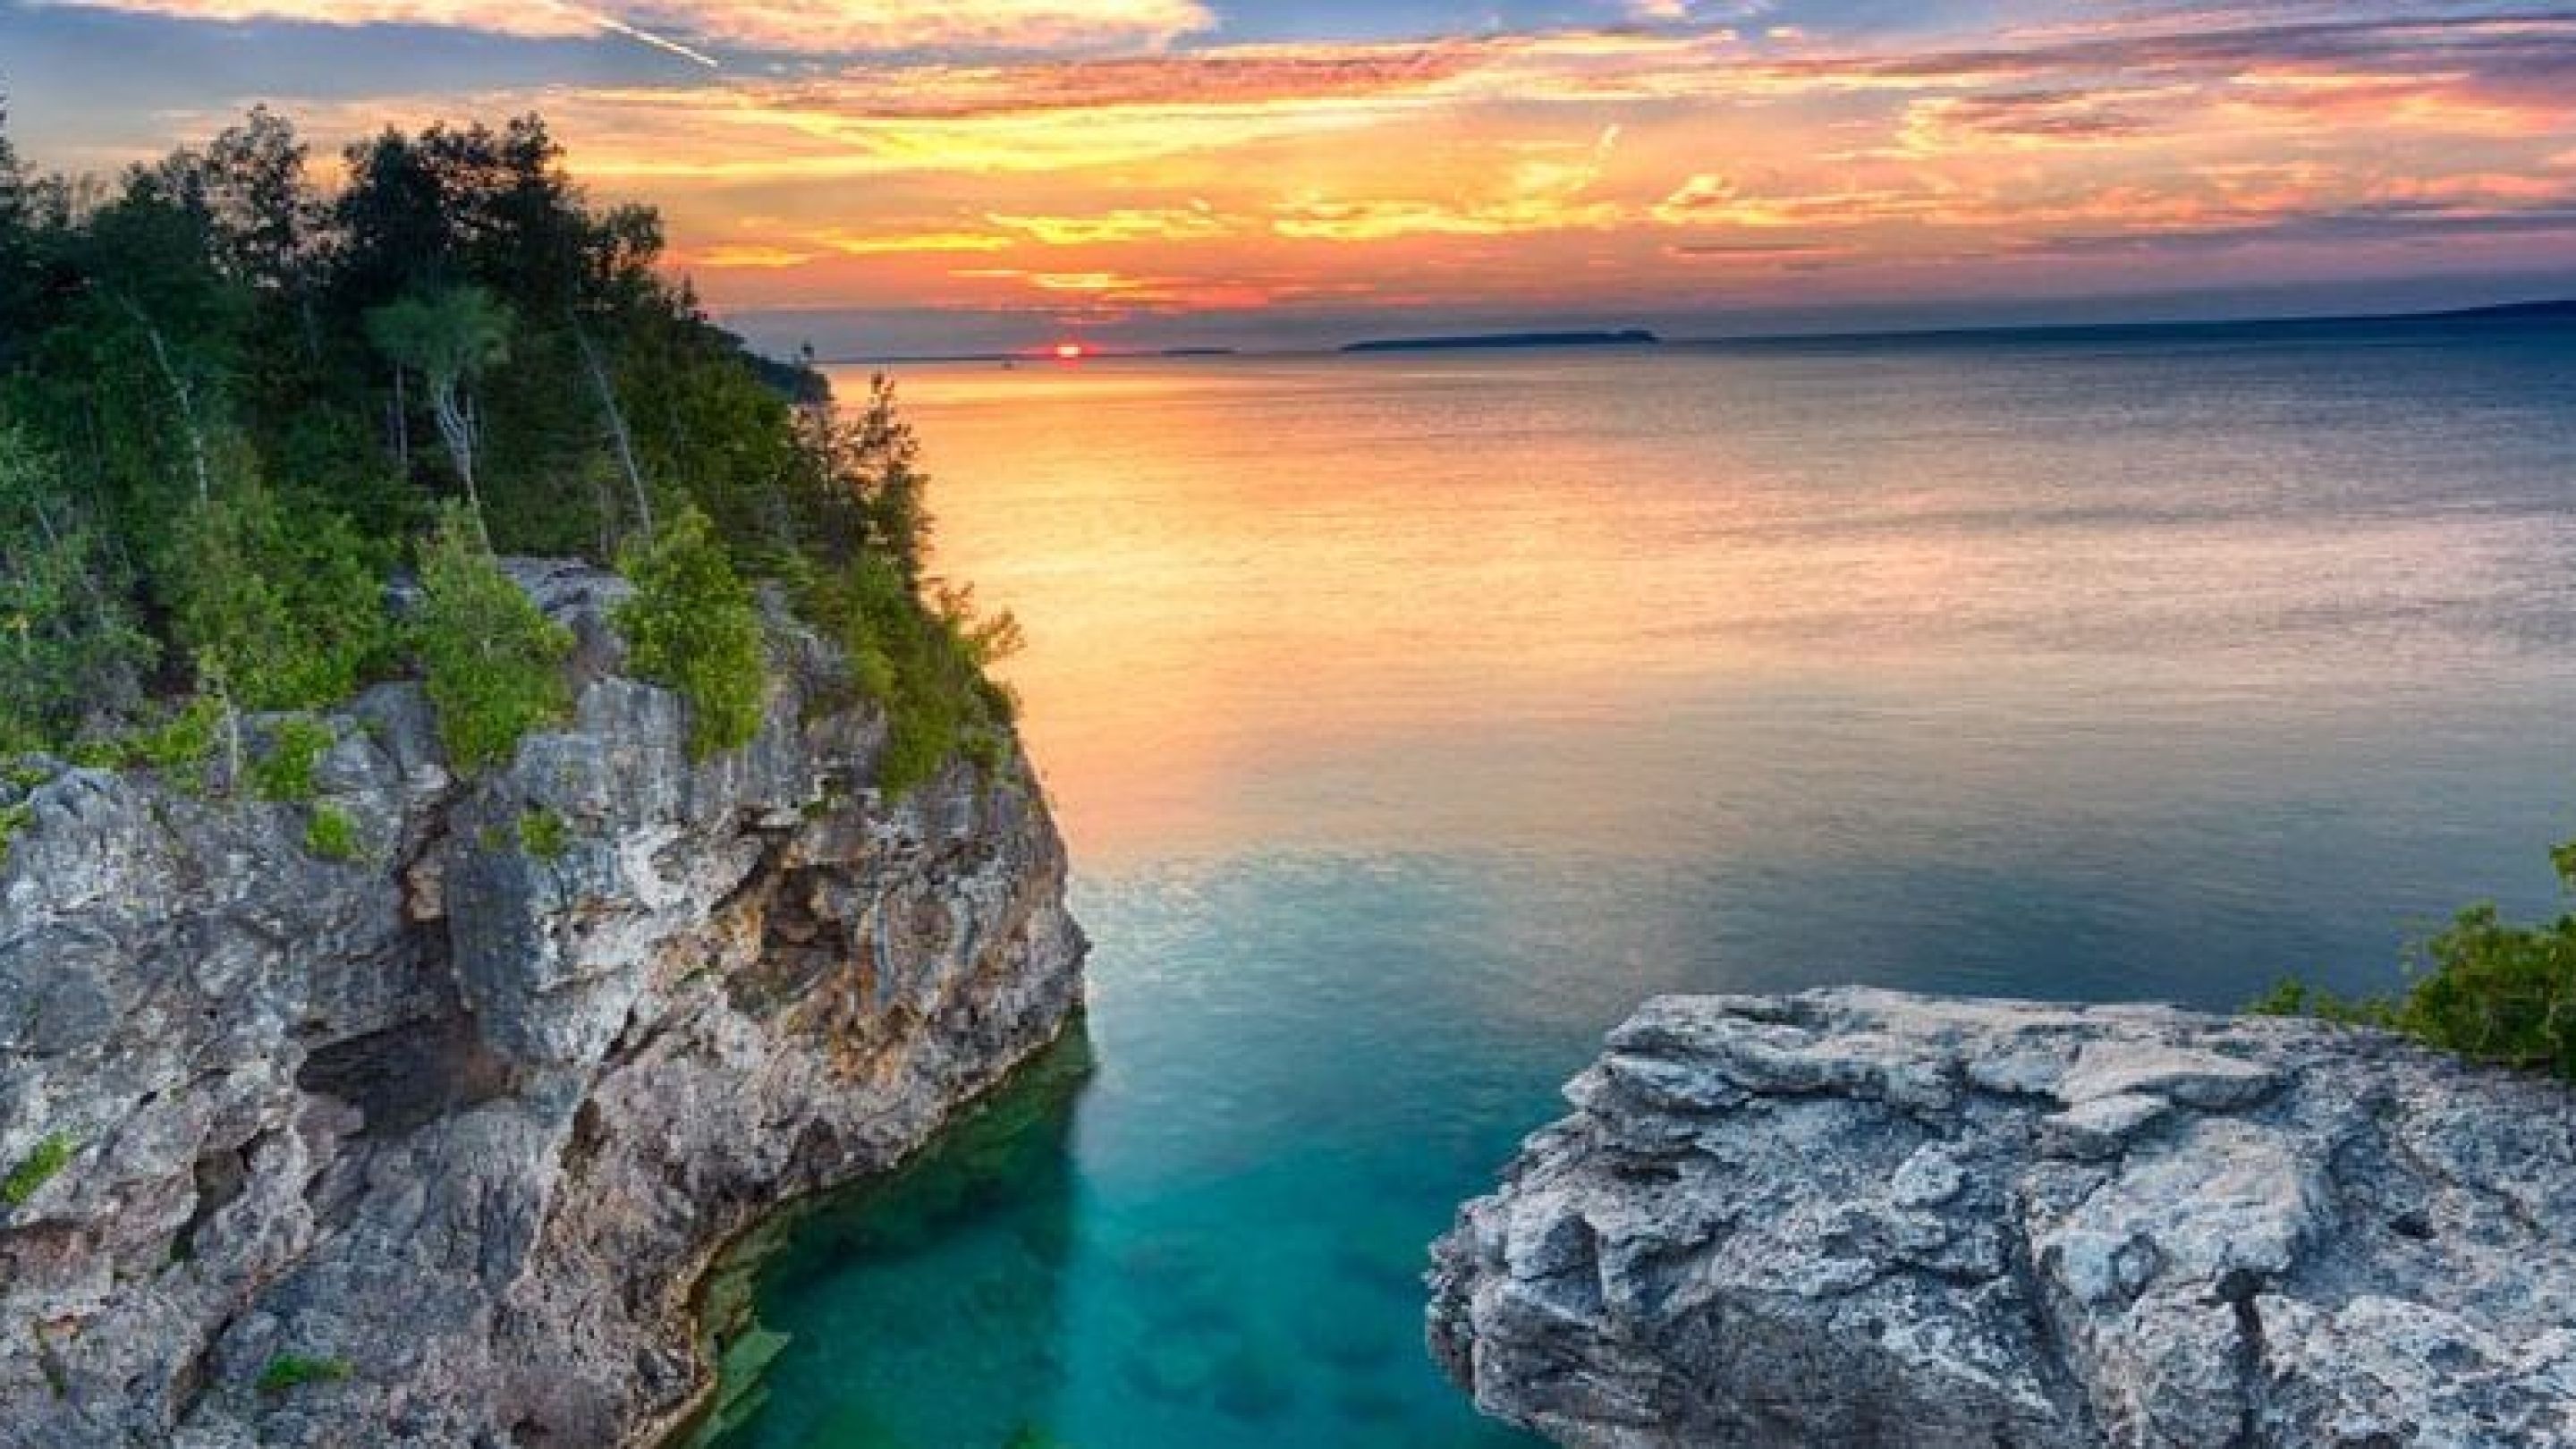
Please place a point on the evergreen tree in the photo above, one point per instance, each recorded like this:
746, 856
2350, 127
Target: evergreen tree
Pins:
71, 651
17, 249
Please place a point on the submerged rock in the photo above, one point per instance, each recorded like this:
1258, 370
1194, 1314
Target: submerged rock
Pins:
1856, 1218
427, 1146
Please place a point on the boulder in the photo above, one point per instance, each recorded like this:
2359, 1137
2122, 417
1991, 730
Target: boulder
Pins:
1858, 1218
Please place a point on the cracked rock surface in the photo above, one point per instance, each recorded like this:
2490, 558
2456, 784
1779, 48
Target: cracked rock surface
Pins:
1860, 1218
434, 1140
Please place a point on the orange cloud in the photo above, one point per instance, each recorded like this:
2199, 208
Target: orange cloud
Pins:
1541, 193
1669, 160
1122, 224
802, 26
746, 256
870, 244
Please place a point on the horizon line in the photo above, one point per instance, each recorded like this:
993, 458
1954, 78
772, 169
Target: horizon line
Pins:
2554, 307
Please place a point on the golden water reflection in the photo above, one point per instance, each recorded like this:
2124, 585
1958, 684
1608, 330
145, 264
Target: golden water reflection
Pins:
1631, 601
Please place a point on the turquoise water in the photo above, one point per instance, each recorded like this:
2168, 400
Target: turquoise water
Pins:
1411, 720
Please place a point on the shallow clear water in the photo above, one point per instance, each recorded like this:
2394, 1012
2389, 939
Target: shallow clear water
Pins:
1411, 719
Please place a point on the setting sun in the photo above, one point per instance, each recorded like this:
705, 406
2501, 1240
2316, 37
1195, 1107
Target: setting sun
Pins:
1069, 352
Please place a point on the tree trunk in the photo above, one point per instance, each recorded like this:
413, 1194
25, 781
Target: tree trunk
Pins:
456, 427
402, 425
617, 434
179, 391
232, 743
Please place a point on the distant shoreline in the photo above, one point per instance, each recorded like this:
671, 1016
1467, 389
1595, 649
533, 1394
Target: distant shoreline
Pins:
1499, 341
2553, 311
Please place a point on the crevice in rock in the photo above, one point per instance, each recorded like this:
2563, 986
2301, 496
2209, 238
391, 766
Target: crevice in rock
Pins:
408, 1076
2239, 1289
2054, 1367
801, 943
221, 1175
763, 873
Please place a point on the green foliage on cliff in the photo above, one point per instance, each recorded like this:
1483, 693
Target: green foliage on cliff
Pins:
231, 403
291, 1370
544, 834
38, 1167
332, 834
13, 818
925, 666
276, 611
176, 738
72, 643
692, 625
2487, 989
295, 749
493, 662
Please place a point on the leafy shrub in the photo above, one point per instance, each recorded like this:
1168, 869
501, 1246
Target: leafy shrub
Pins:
692, 626
2291, 996
286, 771
13, 818
292, 1370
494, 660
279, 608
543, 834
924, 664
180, 745
2490, 991
36, 1169
69, 641
332, 834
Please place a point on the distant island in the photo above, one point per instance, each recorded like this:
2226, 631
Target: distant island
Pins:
1628, 337
2553, 310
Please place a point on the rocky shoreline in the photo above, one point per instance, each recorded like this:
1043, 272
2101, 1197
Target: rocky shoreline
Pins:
428, 1145
1859, 1218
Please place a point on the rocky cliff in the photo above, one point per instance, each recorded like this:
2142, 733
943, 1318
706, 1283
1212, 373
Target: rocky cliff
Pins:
1862, 1219
425, 1146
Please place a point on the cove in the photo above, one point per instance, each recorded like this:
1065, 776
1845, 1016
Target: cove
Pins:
1411, 720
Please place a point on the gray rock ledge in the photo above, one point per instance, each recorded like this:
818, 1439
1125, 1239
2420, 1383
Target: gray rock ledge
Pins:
1858, 1218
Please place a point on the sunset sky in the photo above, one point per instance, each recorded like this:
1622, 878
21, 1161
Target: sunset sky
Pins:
934, 175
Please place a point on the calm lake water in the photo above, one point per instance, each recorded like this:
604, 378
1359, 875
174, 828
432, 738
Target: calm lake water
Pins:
1411, 718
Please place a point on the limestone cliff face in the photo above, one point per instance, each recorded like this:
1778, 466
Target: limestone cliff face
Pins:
454, 1124
1862, 1219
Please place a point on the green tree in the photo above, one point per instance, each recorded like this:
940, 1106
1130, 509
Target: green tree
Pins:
861, 487
493, 661
450, 337
692, 625
70, 647
136, 372
281, 608
222, 469
705, 424
264, 210
17, 248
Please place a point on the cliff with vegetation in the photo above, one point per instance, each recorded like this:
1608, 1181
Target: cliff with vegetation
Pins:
417, 1128
1865, 1219
415, 958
